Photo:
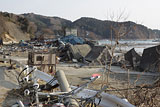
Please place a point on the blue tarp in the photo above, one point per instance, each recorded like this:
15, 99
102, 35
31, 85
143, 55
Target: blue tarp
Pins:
72, 40
22, 43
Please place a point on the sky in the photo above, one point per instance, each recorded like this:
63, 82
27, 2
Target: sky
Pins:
144, 12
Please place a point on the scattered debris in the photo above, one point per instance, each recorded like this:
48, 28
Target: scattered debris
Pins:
69, 96
72, 39
91, 43
47, 94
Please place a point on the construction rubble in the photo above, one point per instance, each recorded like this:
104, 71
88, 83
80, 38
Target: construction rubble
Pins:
149, 61
74, 49
42, 85
34, 93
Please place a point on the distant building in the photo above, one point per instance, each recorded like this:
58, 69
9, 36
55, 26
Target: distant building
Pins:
71, 31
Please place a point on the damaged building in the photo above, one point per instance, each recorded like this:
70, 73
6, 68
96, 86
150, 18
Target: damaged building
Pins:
96, 55
150, 60
133, 58
78, 52
46, 61
74, 52
99, 55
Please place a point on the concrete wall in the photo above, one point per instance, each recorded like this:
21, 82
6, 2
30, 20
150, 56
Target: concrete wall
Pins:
44, 59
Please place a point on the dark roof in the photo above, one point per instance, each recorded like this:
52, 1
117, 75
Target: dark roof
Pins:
130, 55
94, 53
150, 58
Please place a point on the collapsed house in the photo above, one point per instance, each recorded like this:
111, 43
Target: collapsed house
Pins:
133, 58
73, 52
150, 60
99, 55
78, 52
96, 55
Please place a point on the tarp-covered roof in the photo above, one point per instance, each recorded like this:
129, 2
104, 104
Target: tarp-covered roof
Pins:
72, 40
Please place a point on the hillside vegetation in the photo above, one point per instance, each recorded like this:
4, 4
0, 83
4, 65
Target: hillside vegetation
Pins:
13, 28
23, 27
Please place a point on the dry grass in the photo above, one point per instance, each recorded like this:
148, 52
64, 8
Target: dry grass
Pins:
146, 96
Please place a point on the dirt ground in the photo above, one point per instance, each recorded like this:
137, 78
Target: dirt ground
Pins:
8, 82
76, 76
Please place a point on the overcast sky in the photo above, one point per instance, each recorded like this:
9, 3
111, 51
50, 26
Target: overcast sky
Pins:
145, 12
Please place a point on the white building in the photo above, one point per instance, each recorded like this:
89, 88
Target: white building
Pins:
71, 31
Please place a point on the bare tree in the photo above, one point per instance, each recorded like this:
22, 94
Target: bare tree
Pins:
117, 30
143, 95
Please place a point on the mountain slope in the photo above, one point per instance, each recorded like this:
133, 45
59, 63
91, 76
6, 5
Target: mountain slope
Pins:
13, 28
23, 27
48, 26
90, 28
105, 30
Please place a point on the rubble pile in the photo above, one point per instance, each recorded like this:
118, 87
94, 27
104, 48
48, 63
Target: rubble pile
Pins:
148, 62
72, 40
33, 93
75, 49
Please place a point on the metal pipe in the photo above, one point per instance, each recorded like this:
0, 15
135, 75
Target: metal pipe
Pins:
64, 86
20, 103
